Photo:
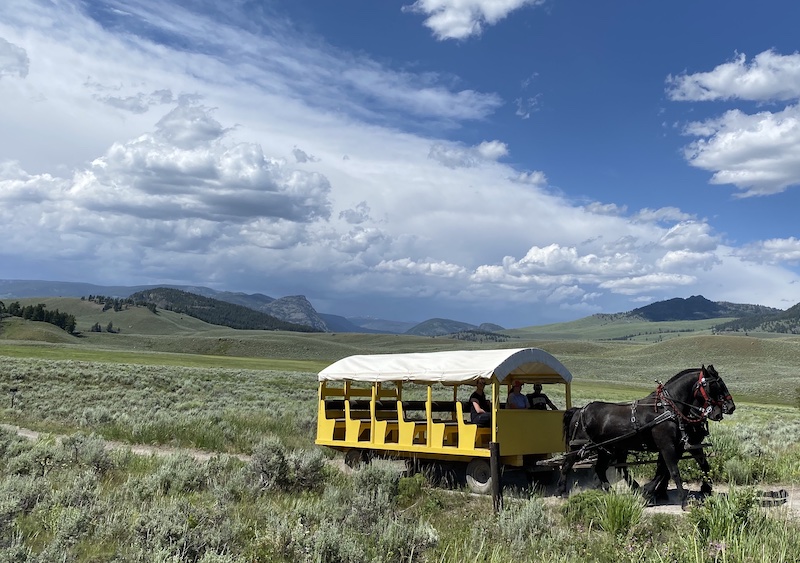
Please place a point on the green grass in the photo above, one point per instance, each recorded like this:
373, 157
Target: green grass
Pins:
157, 358
756, 369
179, 382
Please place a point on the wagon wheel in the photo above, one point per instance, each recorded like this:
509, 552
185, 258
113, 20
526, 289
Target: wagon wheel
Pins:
479, 476
355, 458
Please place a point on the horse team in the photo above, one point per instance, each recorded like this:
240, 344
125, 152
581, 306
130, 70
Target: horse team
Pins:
671, 421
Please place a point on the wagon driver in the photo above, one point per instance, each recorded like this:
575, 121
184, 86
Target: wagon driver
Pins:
480, 412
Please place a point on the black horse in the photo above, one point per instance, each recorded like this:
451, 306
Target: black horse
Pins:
669, 421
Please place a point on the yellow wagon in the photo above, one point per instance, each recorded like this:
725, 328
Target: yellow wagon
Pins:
415, 406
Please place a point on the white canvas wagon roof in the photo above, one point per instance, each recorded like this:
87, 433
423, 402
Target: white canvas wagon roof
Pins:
450, 368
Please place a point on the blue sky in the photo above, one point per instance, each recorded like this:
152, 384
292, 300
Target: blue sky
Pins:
507, 161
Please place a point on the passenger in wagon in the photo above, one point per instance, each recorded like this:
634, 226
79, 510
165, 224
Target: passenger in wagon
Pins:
539, 400
516, 400
480, 411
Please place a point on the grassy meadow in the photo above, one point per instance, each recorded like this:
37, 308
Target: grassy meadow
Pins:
67, 498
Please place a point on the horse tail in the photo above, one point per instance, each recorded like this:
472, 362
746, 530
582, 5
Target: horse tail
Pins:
569, 414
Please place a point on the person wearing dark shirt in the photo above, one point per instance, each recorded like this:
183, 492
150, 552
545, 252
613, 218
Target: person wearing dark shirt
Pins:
539, 400
480, 411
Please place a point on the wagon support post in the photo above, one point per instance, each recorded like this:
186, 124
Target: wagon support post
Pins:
494, 463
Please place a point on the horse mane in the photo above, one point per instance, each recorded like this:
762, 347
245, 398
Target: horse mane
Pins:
682, 373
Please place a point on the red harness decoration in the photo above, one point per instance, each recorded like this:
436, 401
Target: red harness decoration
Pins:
700, 389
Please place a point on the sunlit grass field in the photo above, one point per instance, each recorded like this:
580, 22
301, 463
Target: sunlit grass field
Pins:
70, 499
66, 498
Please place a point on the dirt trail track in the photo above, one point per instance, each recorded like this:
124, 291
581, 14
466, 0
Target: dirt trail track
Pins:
791, 506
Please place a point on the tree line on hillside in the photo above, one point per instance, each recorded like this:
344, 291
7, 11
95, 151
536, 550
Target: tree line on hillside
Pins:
215, 311
785, 322
479, 336
40, 313
117, 303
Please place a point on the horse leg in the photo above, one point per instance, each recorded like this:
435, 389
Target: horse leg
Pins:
670, 456
600, 469
702, 461
566, 467
656, 488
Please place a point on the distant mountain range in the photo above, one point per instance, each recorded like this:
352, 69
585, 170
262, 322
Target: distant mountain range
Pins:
296, 311
292, 309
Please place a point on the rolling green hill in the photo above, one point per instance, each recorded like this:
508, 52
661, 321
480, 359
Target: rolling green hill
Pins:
214, 311
617, 327
757, 366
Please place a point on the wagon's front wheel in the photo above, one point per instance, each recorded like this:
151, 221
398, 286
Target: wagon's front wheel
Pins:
479, 476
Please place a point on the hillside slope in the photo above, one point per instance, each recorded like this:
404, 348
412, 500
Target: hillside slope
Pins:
695, 308
214, 311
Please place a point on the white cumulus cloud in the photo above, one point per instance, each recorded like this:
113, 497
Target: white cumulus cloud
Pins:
769, 76
460, 19
758, 153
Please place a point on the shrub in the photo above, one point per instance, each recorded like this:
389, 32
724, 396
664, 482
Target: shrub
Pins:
179, 474
88, 451
275, 469
583, 508
404, 540
82, 490
21, 493
377, 478
269, 464
183, 529
409, 489
39, 459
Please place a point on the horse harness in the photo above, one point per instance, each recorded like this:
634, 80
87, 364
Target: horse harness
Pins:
671, 411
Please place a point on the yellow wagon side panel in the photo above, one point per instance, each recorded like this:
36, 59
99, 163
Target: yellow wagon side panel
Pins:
521, 432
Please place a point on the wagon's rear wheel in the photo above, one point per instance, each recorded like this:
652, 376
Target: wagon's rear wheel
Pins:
479, 476
355, 458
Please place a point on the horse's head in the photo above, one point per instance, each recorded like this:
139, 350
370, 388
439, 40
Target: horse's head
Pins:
714, 393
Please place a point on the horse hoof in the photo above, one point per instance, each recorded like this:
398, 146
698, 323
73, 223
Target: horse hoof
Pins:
705, 489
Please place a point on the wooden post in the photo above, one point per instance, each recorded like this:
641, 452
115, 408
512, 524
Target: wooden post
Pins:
494, 463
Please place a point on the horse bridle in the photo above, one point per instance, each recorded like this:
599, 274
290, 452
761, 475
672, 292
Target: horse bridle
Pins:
700, 390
